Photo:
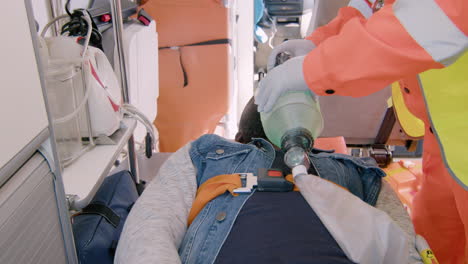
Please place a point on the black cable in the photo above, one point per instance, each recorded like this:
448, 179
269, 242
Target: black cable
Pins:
67, 8
77, 26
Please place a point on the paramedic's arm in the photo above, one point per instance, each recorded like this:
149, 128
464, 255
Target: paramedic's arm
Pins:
367, 55
158, 220
333, 27
301, 47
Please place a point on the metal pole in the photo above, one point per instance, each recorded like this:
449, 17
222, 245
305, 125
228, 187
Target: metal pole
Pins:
55, 11
117, 22
118, 29
64, 218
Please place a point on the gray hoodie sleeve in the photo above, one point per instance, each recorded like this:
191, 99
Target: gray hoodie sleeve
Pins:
388, 202
157, 222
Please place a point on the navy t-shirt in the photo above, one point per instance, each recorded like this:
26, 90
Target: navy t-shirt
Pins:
275, 227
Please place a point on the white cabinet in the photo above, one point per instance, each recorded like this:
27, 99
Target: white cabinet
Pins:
34, 222
22, 111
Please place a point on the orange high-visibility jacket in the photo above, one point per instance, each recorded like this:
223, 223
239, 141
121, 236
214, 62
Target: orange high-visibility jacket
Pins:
402, 39
356, 57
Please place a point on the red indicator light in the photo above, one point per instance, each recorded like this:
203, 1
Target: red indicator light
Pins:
105, 18
275, 173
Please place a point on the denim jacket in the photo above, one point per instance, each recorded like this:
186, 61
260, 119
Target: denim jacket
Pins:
212, 155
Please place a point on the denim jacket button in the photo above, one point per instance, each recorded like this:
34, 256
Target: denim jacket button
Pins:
221, 216
219, 151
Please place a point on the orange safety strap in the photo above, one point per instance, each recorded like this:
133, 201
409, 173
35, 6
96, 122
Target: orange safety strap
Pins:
211, 189
218, 185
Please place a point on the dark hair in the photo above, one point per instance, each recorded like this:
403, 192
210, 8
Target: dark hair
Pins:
250, 124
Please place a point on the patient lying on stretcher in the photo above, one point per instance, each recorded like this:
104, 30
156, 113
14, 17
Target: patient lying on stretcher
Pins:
331, 219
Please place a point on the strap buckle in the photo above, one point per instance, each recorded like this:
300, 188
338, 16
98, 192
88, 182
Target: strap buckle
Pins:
382, 154
273, 180
268, 180
249, 182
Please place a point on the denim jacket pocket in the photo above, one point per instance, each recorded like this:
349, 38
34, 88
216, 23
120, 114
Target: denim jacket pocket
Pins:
221, 161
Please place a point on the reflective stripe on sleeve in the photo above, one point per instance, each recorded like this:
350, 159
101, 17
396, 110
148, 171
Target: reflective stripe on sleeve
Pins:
363, 6
432, 29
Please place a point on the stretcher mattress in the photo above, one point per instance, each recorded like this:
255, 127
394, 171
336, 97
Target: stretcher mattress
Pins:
194, 80
188, 110
181, 22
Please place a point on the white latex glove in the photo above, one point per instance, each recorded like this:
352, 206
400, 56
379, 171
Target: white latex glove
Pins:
285, 77
363, 6
365, 234
295, 47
